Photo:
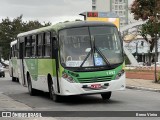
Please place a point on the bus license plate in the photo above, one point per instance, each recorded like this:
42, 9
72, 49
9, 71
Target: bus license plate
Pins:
95, 86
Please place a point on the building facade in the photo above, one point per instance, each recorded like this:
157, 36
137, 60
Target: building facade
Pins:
140, 48
120, 7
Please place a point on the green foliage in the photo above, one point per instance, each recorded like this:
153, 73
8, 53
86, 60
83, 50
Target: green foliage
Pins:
145, 9
148, 10
9, 29
150, 29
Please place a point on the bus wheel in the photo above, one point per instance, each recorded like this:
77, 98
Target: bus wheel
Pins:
106, 96
52, 94
13, 79
30, 89
17, 80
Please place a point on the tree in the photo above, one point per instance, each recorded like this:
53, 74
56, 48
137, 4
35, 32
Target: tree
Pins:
149, 29
148, 10
9, 29
6, 34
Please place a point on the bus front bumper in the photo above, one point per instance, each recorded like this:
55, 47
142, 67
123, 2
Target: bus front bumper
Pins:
68, 88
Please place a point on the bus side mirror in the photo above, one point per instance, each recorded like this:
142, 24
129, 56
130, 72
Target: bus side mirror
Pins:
55, 44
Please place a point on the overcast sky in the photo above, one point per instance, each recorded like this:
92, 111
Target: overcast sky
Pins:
44, 10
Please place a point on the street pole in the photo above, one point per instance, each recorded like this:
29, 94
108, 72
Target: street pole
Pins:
155, 58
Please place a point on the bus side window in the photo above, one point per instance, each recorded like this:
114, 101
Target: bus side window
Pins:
16, 50
39, 45
33, 46
27, 46
21, 47
54, 44
47, 44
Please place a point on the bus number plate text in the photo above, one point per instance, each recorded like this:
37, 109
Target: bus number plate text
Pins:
95, 86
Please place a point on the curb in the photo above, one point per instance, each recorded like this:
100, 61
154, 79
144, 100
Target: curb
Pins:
143, 88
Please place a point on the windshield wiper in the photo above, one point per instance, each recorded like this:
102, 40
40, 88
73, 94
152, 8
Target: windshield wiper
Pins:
85, 58
101, 54
103, 57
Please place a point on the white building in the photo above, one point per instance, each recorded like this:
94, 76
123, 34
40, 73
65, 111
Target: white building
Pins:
120, 7
140, 48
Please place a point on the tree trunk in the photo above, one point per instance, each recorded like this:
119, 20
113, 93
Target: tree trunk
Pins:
151, 49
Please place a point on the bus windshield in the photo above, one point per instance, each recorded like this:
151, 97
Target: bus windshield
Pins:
90, 46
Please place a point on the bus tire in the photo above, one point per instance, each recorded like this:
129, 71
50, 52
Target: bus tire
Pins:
31, 91
17, 80
53, 96
106, 96
13, 79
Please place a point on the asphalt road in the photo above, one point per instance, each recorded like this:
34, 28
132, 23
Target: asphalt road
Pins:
128, 100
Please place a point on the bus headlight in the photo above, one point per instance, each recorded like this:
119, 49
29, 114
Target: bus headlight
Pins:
68, 78
119, 74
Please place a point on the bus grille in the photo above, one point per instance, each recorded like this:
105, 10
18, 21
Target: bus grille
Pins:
95, 79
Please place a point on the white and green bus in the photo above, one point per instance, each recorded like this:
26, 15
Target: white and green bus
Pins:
73, 58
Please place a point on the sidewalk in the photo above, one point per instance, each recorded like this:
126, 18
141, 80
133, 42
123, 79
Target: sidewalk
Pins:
7, 103
142, 84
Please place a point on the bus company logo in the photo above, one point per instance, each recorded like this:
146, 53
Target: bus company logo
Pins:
6, 114
110, 72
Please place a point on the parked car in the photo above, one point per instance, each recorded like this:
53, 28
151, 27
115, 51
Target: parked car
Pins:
2, 73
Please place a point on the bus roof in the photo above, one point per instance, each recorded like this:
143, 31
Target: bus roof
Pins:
13, 43
60, 26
